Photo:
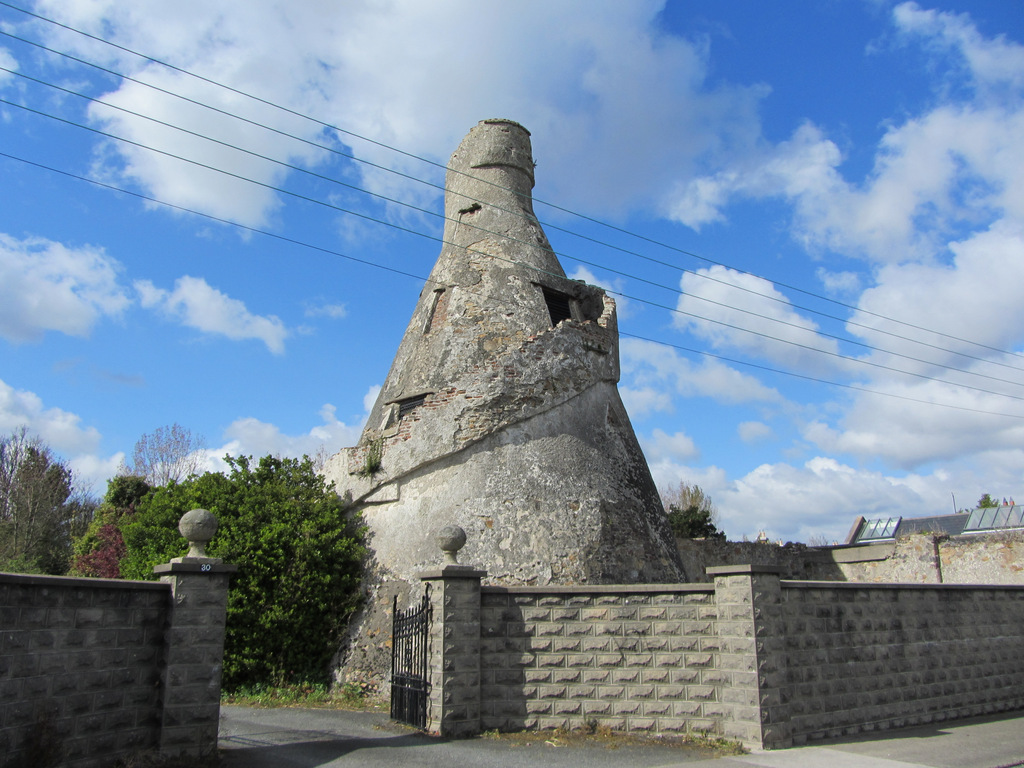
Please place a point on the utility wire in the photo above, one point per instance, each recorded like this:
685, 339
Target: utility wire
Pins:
542, 202
546, 224
323, 177
648, 302
376, 265
813, 378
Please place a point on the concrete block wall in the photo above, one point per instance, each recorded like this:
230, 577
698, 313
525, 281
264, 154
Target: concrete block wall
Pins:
79, 668
97, 670
768, 662
866, 657
637, 658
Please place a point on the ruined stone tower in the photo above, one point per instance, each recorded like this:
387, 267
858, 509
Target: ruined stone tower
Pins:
501, 412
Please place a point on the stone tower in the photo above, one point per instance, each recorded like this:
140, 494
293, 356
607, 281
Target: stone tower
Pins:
501, 413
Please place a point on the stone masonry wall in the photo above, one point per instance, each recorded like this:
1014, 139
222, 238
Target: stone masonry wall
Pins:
989, 558
751, 657
79, 668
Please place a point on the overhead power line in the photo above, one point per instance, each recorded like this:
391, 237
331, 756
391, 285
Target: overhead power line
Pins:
425, 211
674, 310
584, 217
376, 265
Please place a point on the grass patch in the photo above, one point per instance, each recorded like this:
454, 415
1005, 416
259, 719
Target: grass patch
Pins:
595, 733
313, 695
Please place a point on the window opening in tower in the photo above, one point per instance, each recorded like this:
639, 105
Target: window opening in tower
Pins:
559, 305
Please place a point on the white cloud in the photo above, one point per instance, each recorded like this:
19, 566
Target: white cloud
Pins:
252, 437
63, 432
59, 429
737, 311
227, 42
839, 282
960, 164
194, 185
654, 375
578, 85
908, 431
977, 296
822, 497
45, 286
198, 305
7, 61
754, 431
676, 447
370, 398
333, 311
803, 168
92, 472
990, 62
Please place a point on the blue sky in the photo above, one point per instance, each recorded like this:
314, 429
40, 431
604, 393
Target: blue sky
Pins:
812, 214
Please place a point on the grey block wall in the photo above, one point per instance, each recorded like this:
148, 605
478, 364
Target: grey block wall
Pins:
868, 657
637, 658
96, 670
79, 668
768, 662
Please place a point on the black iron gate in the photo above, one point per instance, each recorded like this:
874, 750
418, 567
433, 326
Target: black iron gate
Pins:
409, 662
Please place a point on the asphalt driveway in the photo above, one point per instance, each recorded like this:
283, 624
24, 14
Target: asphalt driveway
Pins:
327, 738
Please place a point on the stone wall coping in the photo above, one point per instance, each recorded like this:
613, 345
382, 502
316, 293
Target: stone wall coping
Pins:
794, 584
197, 565
860, 553
744, 568
451, 572
64, 582
616, 589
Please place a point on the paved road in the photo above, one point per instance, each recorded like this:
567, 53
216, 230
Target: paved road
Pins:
320, 738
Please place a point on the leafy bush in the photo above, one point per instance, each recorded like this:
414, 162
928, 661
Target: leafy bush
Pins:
694, 522
299, 558
99, 550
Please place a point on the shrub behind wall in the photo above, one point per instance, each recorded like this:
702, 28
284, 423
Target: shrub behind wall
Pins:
299, 558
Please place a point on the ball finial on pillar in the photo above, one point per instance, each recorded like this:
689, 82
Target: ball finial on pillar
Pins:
198, 527
451, 539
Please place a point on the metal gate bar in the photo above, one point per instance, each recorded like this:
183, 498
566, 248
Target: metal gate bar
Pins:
409, 685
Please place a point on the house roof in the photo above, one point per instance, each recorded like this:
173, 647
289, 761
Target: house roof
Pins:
981, 520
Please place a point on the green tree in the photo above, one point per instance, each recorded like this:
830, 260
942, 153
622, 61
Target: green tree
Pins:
691, 513
40, 510
99, 550
299, 558
987, 501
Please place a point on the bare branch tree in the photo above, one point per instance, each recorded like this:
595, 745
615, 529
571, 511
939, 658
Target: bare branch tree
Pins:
686, 496
39, 507
168, 454
320, 458
690, 511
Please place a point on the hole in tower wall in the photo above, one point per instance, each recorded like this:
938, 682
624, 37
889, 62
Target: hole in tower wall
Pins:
438, 310
559, 305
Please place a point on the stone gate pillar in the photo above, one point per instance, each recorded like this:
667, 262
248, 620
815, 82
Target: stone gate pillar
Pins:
753, 654
194, 643
453, 653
